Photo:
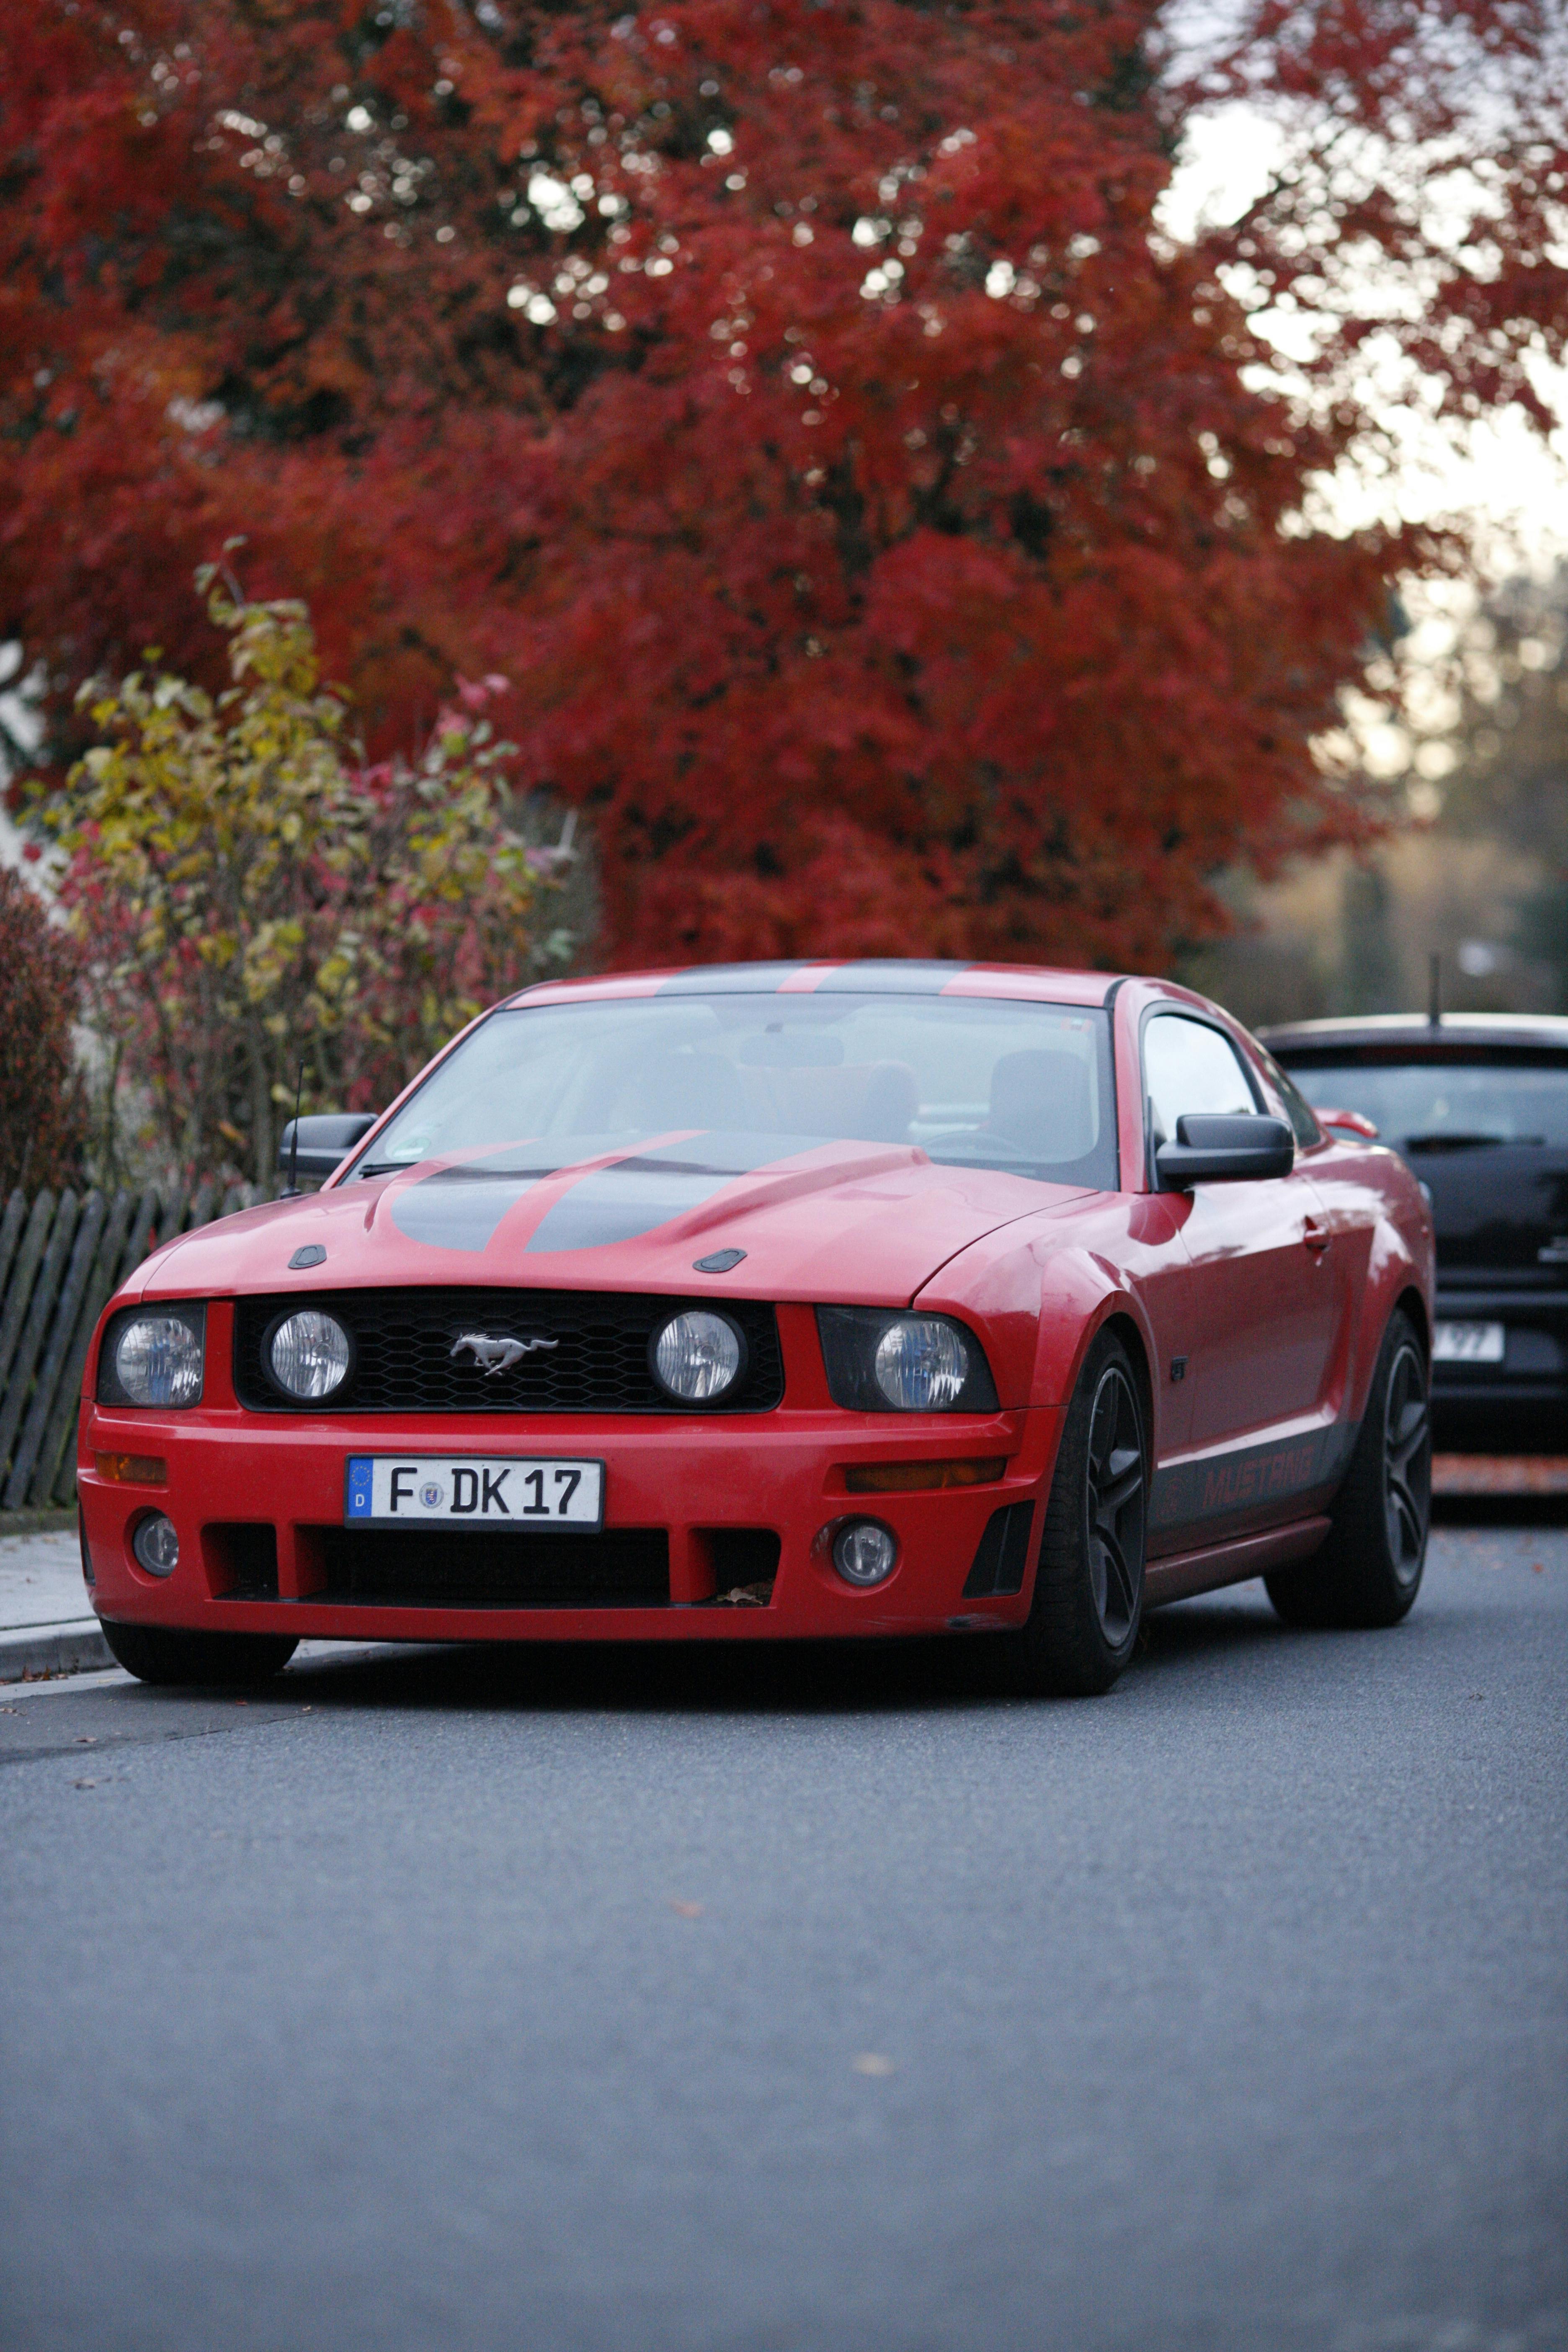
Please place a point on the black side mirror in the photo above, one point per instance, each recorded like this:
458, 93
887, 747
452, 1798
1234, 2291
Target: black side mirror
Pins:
1212, 1147
326, 1139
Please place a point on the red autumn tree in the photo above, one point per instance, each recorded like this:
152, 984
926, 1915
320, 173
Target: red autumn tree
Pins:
892, 539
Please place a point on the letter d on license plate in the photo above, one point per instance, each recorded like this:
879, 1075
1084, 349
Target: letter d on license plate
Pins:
405, 1490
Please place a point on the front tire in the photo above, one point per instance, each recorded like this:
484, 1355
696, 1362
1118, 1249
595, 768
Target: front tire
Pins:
1369, 1569
157, 1653
1088, 1587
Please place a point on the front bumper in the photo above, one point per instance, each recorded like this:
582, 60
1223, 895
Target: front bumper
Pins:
783, 1472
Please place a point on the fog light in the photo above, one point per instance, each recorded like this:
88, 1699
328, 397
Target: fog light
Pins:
156, 1545
310, 1355
865, 1552
697, 1357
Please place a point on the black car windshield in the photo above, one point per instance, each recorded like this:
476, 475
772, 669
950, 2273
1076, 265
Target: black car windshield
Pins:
1440, 1106
973, 1082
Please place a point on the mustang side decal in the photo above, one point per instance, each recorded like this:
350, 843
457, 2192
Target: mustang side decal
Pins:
1224, 1484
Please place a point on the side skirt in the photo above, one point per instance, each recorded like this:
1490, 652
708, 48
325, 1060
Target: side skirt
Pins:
1182, 1573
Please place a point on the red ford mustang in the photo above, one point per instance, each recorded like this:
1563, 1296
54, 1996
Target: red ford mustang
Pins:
780, 1299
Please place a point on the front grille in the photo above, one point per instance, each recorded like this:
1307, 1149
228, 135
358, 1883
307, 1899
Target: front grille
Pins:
434, 1568
404, 1361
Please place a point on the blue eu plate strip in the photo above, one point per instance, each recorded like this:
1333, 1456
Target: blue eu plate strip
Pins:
360, 1472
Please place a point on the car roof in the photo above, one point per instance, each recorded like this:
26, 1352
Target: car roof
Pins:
868, 976
1392, 1035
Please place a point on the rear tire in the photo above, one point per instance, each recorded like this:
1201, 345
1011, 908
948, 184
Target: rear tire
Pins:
1088, 1587
157, 1653
1369, 1569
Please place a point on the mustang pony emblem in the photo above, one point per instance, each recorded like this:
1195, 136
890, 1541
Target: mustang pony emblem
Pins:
498, 1354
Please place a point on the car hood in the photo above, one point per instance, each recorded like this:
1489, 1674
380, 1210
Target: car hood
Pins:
864, 1223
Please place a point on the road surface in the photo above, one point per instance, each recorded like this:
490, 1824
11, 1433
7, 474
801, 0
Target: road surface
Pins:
689, 2001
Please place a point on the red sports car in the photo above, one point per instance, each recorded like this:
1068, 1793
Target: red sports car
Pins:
780, 1299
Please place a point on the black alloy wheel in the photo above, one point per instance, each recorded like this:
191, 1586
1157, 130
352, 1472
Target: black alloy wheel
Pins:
1406, 1462
1117, 1503
1369, 1569
1089, 1586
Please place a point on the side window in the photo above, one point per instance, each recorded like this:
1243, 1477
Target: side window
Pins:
1188, 1067
1298, 1109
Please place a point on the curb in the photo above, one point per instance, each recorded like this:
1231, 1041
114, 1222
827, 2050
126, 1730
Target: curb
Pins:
34, 1652
36, 1523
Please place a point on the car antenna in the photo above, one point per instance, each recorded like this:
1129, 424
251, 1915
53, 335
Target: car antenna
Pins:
293, 1191
1435, 990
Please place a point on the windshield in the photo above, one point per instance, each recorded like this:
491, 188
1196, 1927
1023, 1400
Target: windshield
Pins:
1446, 1105
972, 1083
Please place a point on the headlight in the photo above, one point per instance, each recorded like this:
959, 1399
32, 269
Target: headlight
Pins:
153, 1359
882, 1361
309, 1355
697, 1357
921, 1364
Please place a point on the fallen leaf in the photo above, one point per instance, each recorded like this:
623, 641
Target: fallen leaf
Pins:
871, 2061
687, 1910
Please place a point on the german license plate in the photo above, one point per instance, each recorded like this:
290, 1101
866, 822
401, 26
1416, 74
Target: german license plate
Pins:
1467, 1343
408, 1490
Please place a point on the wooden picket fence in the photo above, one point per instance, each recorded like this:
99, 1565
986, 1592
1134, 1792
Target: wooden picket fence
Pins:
61, 1257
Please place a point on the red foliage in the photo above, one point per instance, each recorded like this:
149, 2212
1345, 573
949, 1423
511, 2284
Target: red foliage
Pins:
43, 1115
881, 535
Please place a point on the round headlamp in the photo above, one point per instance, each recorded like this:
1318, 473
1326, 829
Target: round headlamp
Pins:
921, 1364
158, 1360
309, 1355
697, 1357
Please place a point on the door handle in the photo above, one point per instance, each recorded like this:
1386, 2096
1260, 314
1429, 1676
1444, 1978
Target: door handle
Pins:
1315, 1236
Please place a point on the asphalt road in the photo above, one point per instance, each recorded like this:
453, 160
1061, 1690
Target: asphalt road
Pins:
692, 2000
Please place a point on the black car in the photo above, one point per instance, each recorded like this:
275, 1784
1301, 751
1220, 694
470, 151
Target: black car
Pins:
1478, 1104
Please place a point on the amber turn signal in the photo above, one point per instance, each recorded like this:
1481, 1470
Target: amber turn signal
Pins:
914, 1478
132, 1469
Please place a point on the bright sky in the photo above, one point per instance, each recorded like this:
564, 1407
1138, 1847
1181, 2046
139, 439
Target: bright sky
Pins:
1505, 489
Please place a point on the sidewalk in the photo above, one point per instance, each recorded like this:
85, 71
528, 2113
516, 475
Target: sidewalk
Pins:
46, 1624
